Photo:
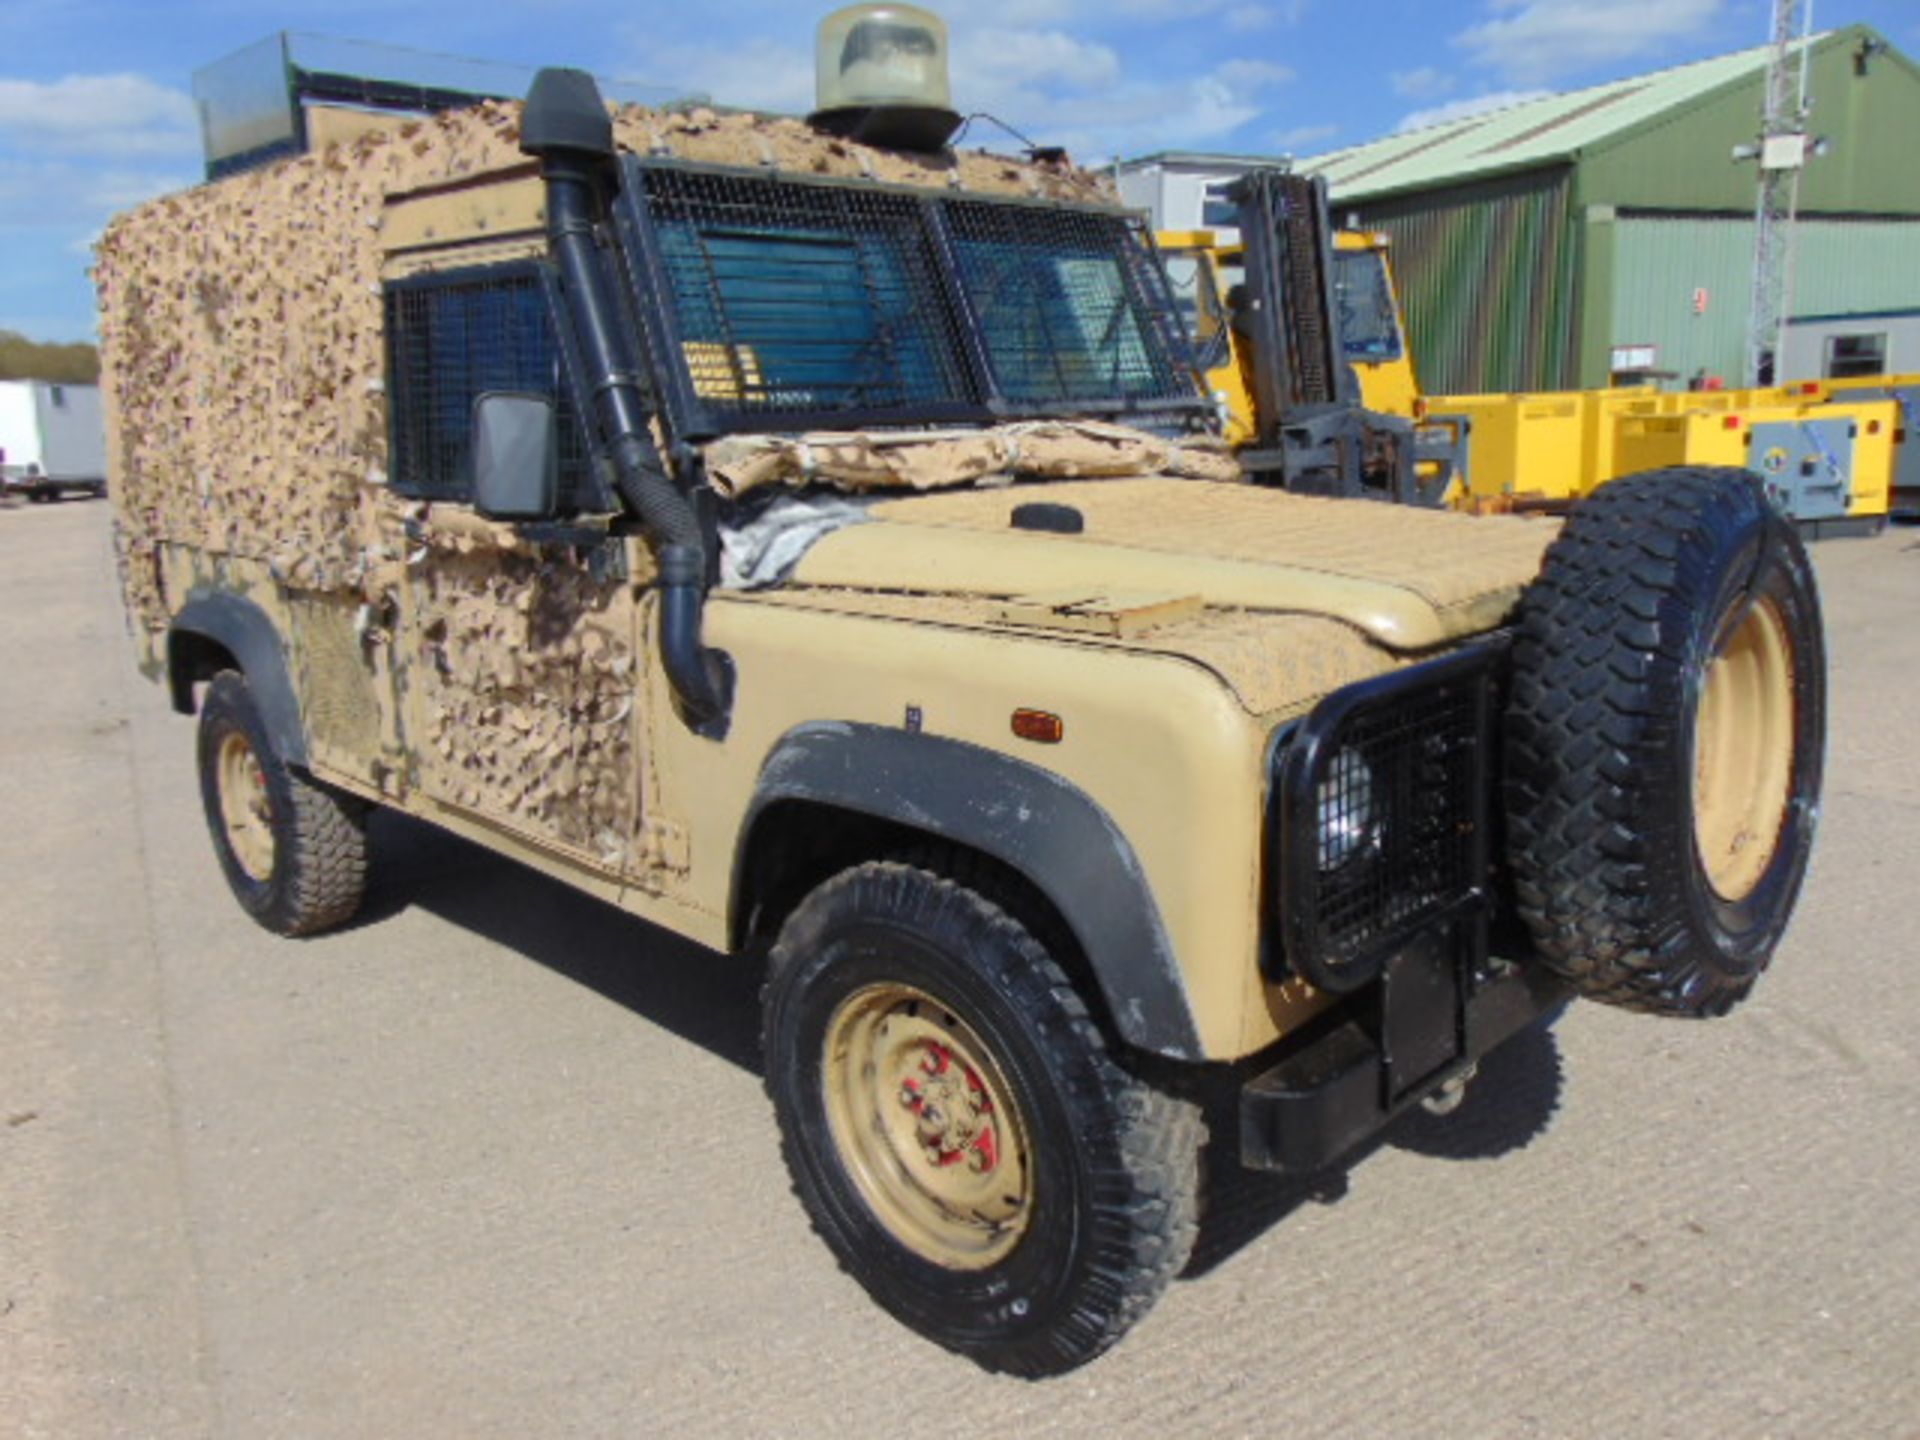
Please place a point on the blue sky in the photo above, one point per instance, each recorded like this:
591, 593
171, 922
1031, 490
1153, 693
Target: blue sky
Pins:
95, 115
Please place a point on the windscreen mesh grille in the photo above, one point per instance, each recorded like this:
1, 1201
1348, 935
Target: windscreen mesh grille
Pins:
804, 302
452, 338
1068, 304
802, 298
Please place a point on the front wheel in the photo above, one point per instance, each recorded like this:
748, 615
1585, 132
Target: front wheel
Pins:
957, 1130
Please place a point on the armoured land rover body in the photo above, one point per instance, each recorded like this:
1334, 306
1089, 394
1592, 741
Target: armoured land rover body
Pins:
827, 553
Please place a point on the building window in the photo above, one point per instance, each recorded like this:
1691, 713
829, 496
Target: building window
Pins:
1217, 212
451, 338
1850, 355
57, 396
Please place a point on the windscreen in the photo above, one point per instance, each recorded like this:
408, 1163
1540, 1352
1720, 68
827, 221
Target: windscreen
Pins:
1368, 329
790, 303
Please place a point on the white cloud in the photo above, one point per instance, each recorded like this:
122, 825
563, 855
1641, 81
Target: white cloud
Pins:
97, 115
759, 73
1302, 138
1426, 83
1467, 108
1248, 76
1024, 13
121, 189
1048, 83
62, 194
1532, 42
1064, 91
1238, 15
1000, 62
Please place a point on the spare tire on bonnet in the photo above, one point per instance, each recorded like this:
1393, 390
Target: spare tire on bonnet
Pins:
1663, 740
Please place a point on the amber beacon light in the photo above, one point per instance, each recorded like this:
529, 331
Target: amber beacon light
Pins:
880, 77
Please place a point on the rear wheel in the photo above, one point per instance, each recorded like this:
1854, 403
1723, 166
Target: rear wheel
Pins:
294, 853
957, 1130
1664, 740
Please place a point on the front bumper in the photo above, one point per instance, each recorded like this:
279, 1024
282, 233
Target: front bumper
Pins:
1431, 1017
1404, 767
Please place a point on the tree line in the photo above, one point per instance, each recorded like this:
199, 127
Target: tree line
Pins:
24, 359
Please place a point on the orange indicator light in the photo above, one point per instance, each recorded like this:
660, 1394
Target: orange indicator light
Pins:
1039, 725
1732, 422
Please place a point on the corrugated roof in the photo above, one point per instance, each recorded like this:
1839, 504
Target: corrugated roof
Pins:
1534, 132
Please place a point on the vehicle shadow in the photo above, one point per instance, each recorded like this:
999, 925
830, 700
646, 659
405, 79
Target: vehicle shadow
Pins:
712, 1000
1509, 1103
695, 993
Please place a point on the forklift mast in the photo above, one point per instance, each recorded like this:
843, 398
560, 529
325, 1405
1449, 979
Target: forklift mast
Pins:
1312, 434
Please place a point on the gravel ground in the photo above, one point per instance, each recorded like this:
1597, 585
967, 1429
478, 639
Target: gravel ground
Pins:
495, 1161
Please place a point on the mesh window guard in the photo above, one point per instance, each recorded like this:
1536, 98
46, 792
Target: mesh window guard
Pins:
1069, 308
451, 337
794, 303
795, 299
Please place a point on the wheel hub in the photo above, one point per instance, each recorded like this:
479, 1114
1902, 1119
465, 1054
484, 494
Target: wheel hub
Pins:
246, 808
923, 1119
955, 1116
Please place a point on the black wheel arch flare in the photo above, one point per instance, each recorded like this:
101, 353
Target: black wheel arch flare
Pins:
241, 628
1028, 818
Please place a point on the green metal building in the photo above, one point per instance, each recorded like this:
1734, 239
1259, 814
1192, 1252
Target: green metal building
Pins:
1550, 244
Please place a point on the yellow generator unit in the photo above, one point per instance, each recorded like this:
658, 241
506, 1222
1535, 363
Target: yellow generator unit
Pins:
1833, 453
1904, 392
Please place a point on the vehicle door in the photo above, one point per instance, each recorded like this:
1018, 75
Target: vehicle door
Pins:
515, 645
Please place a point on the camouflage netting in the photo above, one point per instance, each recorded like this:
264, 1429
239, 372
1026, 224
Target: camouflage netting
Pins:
935, 460
243, 361
241, 327
537, 657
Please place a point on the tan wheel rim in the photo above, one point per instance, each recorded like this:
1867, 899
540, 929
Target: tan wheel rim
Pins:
245, 810
1743, 753
926, 1125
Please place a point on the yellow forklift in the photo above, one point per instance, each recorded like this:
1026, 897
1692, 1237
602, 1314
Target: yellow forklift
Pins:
1831, 453
1309, 368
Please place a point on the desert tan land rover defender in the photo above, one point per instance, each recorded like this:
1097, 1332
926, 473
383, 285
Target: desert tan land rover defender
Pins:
827, 553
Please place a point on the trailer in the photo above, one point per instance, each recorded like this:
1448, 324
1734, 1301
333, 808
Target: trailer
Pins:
52, 439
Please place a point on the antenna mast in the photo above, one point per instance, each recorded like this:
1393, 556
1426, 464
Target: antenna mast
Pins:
1782, 153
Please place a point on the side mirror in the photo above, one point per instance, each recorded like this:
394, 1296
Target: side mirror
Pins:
516, 457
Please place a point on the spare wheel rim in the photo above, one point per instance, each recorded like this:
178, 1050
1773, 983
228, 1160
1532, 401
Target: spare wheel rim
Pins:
1743, 744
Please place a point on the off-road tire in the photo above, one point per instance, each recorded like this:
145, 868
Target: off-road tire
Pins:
1650, 578
318, 872
1112, 1214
